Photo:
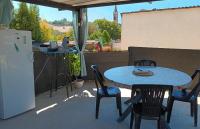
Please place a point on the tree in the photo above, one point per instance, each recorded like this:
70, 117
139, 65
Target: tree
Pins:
92, 28
14, 20
23, 20
95, 35
27, 19
105, 38
35, 22
112, 28
46, 31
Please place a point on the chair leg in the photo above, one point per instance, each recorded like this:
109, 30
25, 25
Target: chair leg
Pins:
69, 82
162, 122
97, 106
137, 121
132, 119
66, 86
169, 110
119, 105
158, 124
117, 102
71, 87
195, 105
166, 125
191, 109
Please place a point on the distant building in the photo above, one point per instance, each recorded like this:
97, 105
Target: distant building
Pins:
115, 15
61, 29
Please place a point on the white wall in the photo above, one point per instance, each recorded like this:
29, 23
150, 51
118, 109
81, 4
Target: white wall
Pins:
173, 28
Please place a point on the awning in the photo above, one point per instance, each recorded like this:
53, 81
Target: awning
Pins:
76, 4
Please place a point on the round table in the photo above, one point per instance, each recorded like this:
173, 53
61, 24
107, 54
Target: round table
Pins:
161, 75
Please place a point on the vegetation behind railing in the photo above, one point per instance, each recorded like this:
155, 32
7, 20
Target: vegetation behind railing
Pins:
27, 17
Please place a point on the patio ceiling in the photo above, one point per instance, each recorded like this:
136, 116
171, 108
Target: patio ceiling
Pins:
76, 4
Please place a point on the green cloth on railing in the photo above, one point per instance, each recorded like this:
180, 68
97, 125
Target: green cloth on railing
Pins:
6, 10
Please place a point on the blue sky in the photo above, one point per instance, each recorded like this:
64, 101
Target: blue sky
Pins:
51, 14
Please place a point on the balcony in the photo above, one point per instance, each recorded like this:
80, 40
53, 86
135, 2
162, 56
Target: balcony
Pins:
78, 111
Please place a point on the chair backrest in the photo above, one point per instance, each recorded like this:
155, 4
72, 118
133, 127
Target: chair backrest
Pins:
99, 80
195, 91
152, 98
145, 63
197, 71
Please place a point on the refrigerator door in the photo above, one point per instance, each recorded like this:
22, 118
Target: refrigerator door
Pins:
16, 77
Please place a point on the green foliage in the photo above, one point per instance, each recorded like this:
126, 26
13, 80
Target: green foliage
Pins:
102, 37
92, 28
105, 38
113, 29
46, 31
95, 35
14, 20
75, 64
27, 19
35, 24
104, 31
22, 19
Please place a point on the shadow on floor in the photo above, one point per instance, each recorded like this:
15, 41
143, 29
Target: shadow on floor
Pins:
78, 112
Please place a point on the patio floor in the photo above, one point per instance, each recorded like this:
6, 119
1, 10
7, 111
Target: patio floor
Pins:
77, 112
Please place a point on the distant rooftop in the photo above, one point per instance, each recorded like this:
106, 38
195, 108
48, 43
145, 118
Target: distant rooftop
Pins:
155, 9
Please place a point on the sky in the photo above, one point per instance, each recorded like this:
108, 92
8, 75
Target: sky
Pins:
51, 14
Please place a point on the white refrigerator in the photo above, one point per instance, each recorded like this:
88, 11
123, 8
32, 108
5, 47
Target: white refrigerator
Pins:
17, 94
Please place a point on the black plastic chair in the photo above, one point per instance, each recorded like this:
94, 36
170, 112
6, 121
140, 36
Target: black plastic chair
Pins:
105, 91
150, 106
185, 96
145, 63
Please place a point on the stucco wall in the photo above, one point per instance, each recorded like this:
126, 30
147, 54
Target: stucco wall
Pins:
105, 61
173, 28
181, 59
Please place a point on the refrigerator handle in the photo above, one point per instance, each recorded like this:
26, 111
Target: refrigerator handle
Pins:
30, 57
16, 47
